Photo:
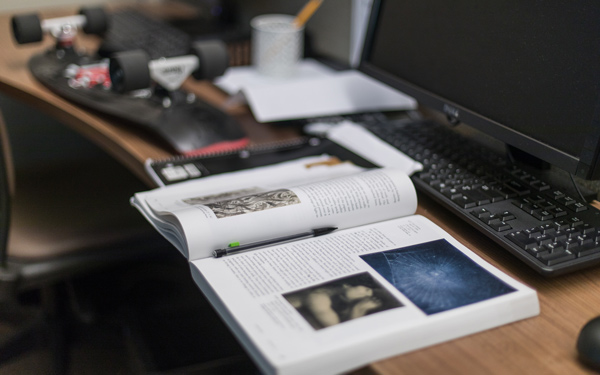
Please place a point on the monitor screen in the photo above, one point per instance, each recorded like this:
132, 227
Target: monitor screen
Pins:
524, 72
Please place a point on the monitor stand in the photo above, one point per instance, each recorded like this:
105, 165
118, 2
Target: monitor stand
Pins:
527, 159
555, 176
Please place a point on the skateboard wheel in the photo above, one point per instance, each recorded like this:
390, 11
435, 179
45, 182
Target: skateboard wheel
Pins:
27, 28
96, 20
213, 59
129, 71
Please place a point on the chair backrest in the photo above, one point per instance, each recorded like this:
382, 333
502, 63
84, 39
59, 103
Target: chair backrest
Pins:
76, 221
6, 190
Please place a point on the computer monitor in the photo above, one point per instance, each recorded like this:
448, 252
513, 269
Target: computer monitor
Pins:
524, 72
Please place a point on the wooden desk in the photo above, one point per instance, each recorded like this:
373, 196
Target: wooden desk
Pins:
540, 345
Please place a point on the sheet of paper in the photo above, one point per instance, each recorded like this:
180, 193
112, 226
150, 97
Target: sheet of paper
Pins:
364, 143
343, 93
242, 77
315, 91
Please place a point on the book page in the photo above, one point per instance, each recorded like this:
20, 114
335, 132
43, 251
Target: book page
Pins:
291, 173
161, 207
212, 222
333, 303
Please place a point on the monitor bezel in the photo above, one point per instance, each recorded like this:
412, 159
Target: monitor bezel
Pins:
585, 165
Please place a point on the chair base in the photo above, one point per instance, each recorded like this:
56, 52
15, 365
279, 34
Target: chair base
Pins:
45, 326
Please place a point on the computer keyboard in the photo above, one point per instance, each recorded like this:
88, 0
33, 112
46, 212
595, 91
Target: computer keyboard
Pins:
551, 230
130, 29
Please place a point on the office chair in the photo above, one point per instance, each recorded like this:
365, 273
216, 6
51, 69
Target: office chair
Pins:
57, 224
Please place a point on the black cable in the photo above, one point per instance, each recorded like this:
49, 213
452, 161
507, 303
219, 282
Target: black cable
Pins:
576, 187
509, 155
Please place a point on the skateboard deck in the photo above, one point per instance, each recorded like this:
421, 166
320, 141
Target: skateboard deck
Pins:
188, 125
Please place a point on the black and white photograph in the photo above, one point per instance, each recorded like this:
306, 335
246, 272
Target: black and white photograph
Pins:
254, 203
206, 199
341, 300
436, 276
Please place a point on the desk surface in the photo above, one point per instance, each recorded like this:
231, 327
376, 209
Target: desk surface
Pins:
540, 345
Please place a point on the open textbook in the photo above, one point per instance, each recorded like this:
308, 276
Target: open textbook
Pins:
385, 282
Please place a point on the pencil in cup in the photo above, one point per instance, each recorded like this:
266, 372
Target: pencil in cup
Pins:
277, 44
278, 40
309, 9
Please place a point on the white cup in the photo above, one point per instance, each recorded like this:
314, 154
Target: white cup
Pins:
277, 44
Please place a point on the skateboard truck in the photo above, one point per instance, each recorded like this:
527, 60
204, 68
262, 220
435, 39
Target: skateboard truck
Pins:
133, 70
28, 28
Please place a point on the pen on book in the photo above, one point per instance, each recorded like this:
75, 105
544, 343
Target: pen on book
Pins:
236, 248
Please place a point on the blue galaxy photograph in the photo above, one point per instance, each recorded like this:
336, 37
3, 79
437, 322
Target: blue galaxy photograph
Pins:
436, 276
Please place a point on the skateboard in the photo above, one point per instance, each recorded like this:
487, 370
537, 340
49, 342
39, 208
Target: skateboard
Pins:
131, 87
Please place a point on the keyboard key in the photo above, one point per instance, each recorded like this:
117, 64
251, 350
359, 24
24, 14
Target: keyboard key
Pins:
562, 225
507, 216
542, 215
518, 187
528, 201
556, 258
430, 178
546, 204
589, 249
452, 193
572, 232
493, 194
522, 240
577, 207
555, 194
477, 196
481, 213
531, 233
575, 221
536, 251
570, 243
464, 201
530, 208
547, 229
566, 200
441, 186
539, 186
560, 235
544, 239
500, 226
505, 192
586, 228
537, 199
584, 240
520, 174
555, 247
493, 218
557, 211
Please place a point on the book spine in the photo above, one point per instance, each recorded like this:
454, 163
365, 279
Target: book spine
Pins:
185, 167
252, 149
